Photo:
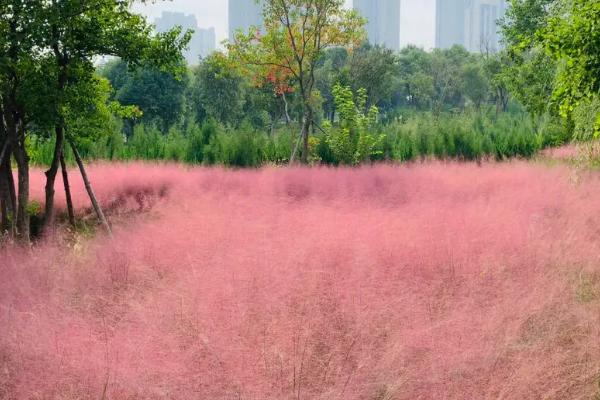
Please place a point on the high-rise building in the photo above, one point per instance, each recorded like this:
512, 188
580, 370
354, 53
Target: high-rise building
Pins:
450, 23
481, 25
383, 21
470, 23
203, 41
242, 15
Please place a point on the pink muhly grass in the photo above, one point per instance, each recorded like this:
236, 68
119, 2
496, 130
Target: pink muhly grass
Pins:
441, 280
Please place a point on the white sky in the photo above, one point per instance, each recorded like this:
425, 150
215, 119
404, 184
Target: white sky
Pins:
417, 22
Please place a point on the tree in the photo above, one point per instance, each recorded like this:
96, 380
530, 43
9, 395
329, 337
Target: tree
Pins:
331, 69
522, 21
373, 68
494, 65
529, 72
297, 32
159, 95
446, 67
19, 59
416, 83
572, 37
218, 91
47, 49
474, 84
77, 31
352, 142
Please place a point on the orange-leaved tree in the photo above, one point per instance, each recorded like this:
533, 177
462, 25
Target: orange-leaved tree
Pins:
294, 36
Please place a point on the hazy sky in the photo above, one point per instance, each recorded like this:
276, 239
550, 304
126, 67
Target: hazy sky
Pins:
417, 25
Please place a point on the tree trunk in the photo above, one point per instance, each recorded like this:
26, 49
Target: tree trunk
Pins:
65, 176
88, 188
51, 177
7, 194
22, 159
4, 220
305, 133
286, 111
5, 151
12, 193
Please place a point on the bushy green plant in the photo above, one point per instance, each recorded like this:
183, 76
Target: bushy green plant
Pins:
358, 137
353, 141
586, 118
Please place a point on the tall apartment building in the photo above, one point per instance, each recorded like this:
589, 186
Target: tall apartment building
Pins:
481, 25
383, 21
450, 23
203, 41
470, 23
242, 15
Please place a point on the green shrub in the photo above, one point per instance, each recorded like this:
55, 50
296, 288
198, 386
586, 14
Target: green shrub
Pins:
413, 136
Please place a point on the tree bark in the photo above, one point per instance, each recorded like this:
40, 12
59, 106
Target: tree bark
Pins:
306, 124
304, 133
12, 195
88, 188
7, 193
4, 220
288, 120
51, 177
15, 131
65, 176
22, 159
59, 130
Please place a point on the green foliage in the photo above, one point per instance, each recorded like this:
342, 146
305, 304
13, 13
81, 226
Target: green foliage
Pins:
151, 95
475, 86
573, 38
34, 208
218, 91
296, 35
373, 68
470, 137
353, 141
586, 119
555, 46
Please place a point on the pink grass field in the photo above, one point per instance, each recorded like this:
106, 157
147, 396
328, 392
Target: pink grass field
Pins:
434, 281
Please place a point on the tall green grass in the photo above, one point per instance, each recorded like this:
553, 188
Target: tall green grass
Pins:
463, 137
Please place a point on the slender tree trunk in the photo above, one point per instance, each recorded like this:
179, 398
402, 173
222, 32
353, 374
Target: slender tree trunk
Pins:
4, 151
295, 145
88, 188
23, 196
12, 193
286, 109
4, 220
51, 176
305, 133
59, 129
65, 176
15, 131
7, 192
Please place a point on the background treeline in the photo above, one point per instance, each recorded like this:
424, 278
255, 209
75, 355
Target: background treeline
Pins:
444, 103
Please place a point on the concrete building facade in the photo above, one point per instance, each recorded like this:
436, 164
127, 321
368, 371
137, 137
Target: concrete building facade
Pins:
470, 23
383, 21
242, 15
203, 41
